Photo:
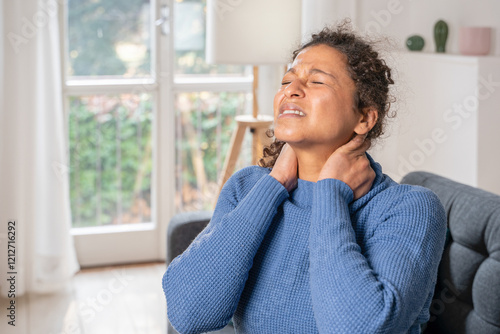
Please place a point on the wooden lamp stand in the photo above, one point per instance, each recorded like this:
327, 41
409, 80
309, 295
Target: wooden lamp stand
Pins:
258, 125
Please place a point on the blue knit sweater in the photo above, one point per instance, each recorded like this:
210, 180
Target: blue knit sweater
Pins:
310, 261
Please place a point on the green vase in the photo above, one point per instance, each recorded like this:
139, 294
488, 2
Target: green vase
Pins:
415, 43
440, 35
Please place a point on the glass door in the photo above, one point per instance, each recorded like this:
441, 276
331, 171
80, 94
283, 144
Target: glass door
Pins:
114, 53
149, 122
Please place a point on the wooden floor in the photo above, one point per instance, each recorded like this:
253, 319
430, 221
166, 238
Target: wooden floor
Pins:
111, 300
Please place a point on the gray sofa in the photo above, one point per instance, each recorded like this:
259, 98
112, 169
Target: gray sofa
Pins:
467, 295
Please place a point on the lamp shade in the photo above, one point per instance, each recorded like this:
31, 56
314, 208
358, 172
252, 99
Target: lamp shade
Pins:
255, 32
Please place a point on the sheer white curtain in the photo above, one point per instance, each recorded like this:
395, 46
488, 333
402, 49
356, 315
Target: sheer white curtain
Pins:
34, 189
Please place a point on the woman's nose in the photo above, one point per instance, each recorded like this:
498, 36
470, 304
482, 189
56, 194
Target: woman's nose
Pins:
294, 89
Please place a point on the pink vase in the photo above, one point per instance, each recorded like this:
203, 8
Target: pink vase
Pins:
475, 41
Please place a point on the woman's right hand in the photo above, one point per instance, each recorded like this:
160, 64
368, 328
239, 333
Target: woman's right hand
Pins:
285, 168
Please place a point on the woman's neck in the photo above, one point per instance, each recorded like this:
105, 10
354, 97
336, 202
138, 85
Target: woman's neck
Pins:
311, 161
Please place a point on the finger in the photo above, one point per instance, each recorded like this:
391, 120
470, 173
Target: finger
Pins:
355, 144
360, 151
365, 146
287, 158
283, 152
287, 152
285, 149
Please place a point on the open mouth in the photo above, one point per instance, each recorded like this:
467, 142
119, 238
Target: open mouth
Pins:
295, 112
291, 109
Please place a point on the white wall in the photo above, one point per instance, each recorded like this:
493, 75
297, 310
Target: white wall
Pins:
318, 13
400, 19
1, 54
429, 84
403, 18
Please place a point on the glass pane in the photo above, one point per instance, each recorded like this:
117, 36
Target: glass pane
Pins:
109, 38
110, 159
204, 125
189, 42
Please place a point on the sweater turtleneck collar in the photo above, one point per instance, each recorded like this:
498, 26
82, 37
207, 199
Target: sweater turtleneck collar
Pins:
303, 194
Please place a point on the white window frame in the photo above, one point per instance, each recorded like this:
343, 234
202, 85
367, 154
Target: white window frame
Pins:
109, 245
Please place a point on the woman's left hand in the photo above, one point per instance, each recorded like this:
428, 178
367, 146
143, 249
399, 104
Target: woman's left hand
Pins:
350, 165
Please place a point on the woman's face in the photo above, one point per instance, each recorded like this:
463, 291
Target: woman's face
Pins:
314, 106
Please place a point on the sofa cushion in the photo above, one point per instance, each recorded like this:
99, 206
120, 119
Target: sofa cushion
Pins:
467, 295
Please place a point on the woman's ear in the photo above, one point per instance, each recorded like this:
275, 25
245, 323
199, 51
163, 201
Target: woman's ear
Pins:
367, 121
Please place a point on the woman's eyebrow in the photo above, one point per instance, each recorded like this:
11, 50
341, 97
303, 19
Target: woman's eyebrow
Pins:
315, 70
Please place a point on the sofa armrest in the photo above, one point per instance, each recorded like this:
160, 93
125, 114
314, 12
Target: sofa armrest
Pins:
182, 230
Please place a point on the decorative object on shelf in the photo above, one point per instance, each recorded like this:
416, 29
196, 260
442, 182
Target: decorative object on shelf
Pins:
415, 43
475, 41
242, 32
440, 35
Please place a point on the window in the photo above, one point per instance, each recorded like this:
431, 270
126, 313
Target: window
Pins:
110, 134
111, 158
204, 125
189, 43
148, 122
109, 38
204, 115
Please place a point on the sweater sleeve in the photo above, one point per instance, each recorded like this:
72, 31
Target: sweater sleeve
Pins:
382, 287
203, 285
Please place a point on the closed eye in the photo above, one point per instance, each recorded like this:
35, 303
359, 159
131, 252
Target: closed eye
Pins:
285, 83
318, 82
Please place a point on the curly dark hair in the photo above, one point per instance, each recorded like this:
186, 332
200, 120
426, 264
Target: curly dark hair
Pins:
369, 72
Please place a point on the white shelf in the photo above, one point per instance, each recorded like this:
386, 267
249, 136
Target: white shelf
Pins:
450, 57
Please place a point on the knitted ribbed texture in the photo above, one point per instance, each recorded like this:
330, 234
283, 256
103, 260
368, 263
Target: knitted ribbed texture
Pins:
312, 261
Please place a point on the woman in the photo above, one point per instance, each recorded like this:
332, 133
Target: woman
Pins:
319, 240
